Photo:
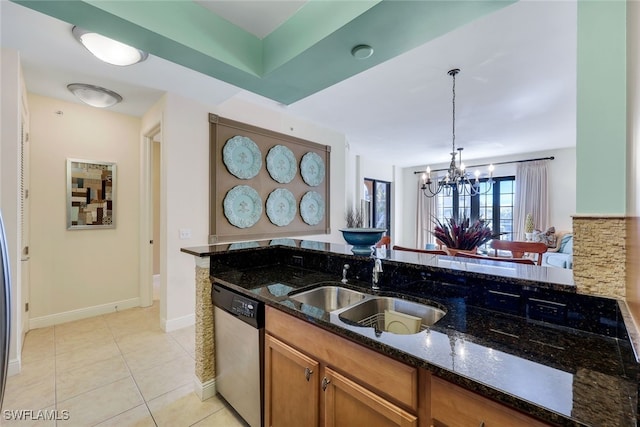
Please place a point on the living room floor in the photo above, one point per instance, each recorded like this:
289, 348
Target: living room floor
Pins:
118, 369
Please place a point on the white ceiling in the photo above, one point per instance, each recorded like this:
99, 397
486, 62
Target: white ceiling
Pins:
516, 91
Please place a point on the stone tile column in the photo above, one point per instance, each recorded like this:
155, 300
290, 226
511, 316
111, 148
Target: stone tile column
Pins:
599, 255
205, 351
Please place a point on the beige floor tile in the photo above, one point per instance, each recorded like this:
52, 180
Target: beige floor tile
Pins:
33, 396
142, 340
181, 407
120, 329
136, 417
186, 337
85, 378
71, 342
36, 418
151, 356
34, 371
225, 417
79, 326
38, 344
86, 355
165, 377
101, 404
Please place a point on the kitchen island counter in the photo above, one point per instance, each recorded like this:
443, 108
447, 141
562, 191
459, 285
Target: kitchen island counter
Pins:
577, 368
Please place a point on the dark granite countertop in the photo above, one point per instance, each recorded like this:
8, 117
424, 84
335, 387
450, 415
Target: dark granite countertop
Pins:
579, 370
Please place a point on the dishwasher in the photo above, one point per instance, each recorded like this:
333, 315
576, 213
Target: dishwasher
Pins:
239, 356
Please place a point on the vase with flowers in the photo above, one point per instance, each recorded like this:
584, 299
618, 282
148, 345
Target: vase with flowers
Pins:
460, 234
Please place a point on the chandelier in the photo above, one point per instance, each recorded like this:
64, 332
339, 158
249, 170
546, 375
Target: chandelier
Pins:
456, 177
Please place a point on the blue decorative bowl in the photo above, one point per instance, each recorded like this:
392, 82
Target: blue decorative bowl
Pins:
362, 239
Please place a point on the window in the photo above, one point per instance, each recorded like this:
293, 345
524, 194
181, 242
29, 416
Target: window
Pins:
378, 193
496, 206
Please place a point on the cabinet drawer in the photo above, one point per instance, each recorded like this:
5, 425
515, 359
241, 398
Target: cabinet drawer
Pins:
453, 406
388, 377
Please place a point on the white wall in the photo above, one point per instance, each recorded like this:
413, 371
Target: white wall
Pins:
80, 273
11, 87
562, 189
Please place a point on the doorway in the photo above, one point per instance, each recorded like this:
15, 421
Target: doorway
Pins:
151, 218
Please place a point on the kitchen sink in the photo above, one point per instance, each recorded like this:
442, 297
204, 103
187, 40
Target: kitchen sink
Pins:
400, 315
329, 298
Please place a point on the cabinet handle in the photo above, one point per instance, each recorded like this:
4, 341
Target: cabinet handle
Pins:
481, 424
307, 373
325, 383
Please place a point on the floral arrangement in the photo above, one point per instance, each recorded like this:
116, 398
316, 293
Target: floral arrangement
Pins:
354, 218
456, 233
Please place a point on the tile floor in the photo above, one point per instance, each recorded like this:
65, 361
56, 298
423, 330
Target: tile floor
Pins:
119, 369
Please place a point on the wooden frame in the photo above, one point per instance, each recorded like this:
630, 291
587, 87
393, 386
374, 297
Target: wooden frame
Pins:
91, 190
222, 181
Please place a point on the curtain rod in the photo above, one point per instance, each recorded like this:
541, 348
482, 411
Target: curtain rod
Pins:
499, 163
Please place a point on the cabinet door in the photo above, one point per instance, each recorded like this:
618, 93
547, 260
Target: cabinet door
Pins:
291, 386
453, 406
348, 404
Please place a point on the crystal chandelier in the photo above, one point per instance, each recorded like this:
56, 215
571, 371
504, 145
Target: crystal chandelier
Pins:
456, 176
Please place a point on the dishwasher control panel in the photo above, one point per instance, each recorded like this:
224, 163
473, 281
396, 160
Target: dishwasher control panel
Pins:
243, 307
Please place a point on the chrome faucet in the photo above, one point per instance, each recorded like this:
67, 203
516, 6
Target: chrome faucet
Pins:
344, 273
375, 276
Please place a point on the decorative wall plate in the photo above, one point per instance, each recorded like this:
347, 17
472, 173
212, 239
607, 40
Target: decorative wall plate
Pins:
242, 206
312, 208
242, 157
312, 169
281, 164
312, 244
283, 242
243, 245
281, 207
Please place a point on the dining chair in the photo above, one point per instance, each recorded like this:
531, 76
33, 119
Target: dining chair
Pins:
421, 251
518, 249
494, 258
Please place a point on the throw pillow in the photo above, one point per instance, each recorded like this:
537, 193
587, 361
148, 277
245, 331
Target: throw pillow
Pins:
548, 237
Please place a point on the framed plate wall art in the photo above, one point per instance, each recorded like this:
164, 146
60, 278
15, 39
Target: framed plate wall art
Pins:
258, 179
91, 190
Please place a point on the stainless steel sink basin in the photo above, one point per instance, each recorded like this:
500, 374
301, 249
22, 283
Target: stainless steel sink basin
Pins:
329, 298
371, 313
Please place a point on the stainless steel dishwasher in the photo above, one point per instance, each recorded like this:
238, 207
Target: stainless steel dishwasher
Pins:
239, 344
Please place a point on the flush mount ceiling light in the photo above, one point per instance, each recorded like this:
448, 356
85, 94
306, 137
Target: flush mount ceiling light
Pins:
95, 96
362, 51
109, 50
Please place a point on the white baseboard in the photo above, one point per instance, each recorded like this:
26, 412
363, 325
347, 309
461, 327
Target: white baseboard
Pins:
14, 367
177, 323
82, 313
204, 390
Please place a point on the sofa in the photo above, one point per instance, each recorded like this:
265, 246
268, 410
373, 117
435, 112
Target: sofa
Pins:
562, 255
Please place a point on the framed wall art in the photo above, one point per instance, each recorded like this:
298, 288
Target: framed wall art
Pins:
91, 190
265, 184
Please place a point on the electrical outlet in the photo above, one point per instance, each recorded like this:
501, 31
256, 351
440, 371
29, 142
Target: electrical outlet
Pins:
185, 233
296, 261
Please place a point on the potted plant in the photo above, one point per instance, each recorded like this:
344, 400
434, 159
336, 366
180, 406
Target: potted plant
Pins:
462, 234
361, 238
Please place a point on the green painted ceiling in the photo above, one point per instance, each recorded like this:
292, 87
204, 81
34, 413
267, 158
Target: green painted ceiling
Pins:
309, 52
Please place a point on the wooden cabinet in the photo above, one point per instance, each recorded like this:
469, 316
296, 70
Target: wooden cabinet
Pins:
291, 386
454, 406
347, 403
315, 378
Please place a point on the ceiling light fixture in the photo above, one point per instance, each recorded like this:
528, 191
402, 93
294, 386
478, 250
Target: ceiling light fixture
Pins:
362, 51
109, 50
95, 96
456, 177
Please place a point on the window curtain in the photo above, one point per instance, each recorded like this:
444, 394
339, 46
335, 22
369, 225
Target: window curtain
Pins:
427, 210
532, 196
